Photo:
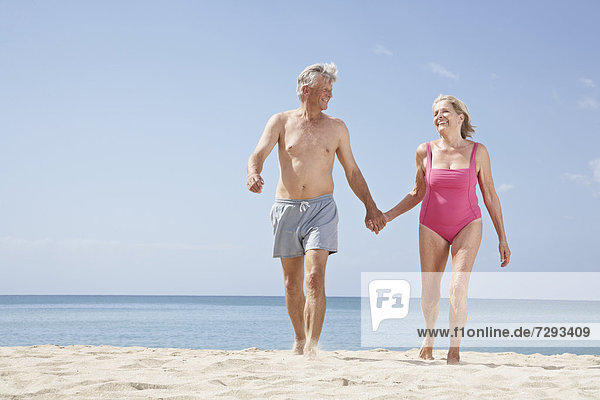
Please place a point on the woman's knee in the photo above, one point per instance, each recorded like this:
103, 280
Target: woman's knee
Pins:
430, 301
458, 292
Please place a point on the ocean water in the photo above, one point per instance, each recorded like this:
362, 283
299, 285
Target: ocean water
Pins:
226, 322
203, 322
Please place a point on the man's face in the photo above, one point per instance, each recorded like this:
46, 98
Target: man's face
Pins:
320, 93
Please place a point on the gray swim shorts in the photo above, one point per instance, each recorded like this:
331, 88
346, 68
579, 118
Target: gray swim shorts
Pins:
302, 225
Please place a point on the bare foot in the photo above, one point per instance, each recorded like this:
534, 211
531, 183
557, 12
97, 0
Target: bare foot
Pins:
310, 351
453, 356
426, 353
299, 346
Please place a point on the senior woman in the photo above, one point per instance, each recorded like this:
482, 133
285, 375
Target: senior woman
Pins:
448, 170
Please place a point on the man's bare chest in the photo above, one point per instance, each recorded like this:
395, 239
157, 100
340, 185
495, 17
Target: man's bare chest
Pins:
309, 143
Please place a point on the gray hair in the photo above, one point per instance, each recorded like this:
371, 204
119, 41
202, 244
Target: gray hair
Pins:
310, 74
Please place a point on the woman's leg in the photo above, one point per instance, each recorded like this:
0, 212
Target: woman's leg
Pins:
464, 250
433, 250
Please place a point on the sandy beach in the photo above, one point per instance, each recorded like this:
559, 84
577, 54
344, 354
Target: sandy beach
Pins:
106, 372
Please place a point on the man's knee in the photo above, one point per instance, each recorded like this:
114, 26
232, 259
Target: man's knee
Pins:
315, 276
293, 286
315, 282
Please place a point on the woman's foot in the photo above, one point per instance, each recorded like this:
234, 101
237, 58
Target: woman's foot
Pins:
453, 356
426, 352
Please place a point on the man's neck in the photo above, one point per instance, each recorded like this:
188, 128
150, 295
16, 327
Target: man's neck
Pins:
310, 113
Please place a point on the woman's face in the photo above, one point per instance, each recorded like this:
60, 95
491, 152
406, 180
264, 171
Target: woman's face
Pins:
445, 118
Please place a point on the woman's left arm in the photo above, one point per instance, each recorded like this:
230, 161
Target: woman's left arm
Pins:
492, 202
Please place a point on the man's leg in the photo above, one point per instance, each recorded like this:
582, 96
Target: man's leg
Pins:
293, 277
314, 309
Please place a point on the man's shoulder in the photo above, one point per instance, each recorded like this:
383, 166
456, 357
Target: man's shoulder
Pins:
336, 122
281, 116
279, 120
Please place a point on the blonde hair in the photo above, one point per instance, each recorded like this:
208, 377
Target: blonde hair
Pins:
466, 128
310, 74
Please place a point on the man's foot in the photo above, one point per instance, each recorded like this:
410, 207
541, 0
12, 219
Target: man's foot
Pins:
426, 352
453, 356
299, 346
310, 351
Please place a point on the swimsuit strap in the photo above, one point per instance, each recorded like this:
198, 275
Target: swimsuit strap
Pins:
473, 153
428, 167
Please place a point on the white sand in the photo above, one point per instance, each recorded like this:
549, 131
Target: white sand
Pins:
105, 372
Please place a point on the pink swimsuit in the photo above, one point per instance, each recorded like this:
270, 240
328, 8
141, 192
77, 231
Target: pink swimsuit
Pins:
450, 201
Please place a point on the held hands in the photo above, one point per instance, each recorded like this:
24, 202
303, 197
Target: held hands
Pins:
375, 220
254, 183
387, 217
504, 254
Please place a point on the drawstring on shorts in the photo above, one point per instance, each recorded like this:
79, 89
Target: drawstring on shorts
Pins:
304, 206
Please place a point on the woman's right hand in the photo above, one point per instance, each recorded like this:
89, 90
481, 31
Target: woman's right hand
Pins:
387, 216
504, 253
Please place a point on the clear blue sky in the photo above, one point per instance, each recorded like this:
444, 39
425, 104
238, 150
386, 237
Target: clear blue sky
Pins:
125, 129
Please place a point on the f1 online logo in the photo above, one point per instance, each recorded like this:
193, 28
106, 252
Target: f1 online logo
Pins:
389, 299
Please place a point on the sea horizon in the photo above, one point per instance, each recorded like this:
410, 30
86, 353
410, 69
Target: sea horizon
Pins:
220, 321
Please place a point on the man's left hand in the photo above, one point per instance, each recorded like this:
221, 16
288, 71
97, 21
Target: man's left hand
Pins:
375, 220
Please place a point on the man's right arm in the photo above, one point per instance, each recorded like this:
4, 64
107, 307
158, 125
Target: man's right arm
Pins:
269, 138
